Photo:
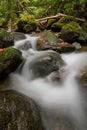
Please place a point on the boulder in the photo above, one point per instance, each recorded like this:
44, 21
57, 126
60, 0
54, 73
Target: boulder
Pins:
61, 49
6, 39
18, 112
47, 38
18, 36
10, 59
43, 64
69, 36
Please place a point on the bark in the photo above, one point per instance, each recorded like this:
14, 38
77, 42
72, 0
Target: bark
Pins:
58, 16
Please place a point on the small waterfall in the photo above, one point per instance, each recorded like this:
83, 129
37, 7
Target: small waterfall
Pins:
59, 102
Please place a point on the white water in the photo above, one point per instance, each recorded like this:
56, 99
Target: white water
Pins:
63, 99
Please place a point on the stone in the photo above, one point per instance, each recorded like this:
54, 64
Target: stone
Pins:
18, 36
18, 112
6, 39
43, 64
47, 38
10, 59
68, 36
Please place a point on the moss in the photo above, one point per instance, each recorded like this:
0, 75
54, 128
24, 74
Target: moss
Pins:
10, 59
30, 26
50, 22
66, 19
84, 26
6, 39
26, 24
56, 26
73, 26
8, 53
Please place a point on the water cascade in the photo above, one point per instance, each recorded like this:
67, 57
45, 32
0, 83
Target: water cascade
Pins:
62, 103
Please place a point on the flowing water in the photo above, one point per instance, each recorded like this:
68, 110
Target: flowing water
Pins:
62, 104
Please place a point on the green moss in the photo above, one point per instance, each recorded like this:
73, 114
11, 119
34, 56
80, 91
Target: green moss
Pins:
84, 26
26, 24
8, 53
57, 26
50, 22
30, 26
66, 19
73, 26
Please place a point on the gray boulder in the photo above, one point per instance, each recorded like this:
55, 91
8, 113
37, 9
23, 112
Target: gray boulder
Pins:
18, 112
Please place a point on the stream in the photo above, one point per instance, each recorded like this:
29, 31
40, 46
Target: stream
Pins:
63, 104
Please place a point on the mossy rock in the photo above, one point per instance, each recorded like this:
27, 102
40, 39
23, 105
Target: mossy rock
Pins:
26, 24
6, 39
50, 22
84, 26
56, 27
73, 26
47, 38
10, 59
18, 112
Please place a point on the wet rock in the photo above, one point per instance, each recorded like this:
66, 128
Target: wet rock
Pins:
61, 49
18, 112
10, 59
77, 45
47, 38
24, 46
43, 63
6, 39
18, 36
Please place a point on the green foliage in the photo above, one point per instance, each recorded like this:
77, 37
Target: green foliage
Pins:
12, 9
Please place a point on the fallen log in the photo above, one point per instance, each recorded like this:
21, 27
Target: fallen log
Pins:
59, 15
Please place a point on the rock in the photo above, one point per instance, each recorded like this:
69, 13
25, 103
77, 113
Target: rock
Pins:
70, 32
69, 36
26, 24
43, 63
6, 39
18, 112
47, 38
24, 46
18, 36
77, 45
10, 59
61, 49
82, 38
